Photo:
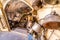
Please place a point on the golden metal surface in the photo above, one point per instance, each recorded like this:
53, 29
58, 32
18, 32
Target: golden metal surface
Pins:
4, 17
0, 4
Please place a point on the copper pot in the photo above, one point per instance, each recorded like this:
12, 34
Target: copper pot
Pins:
51, 21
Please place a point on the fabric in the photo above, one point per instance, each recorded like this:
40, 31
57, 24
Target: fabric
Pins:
30, 37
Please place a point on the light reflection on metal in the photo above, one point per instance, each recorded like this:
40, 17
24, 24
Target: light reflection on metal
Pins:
35, 29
